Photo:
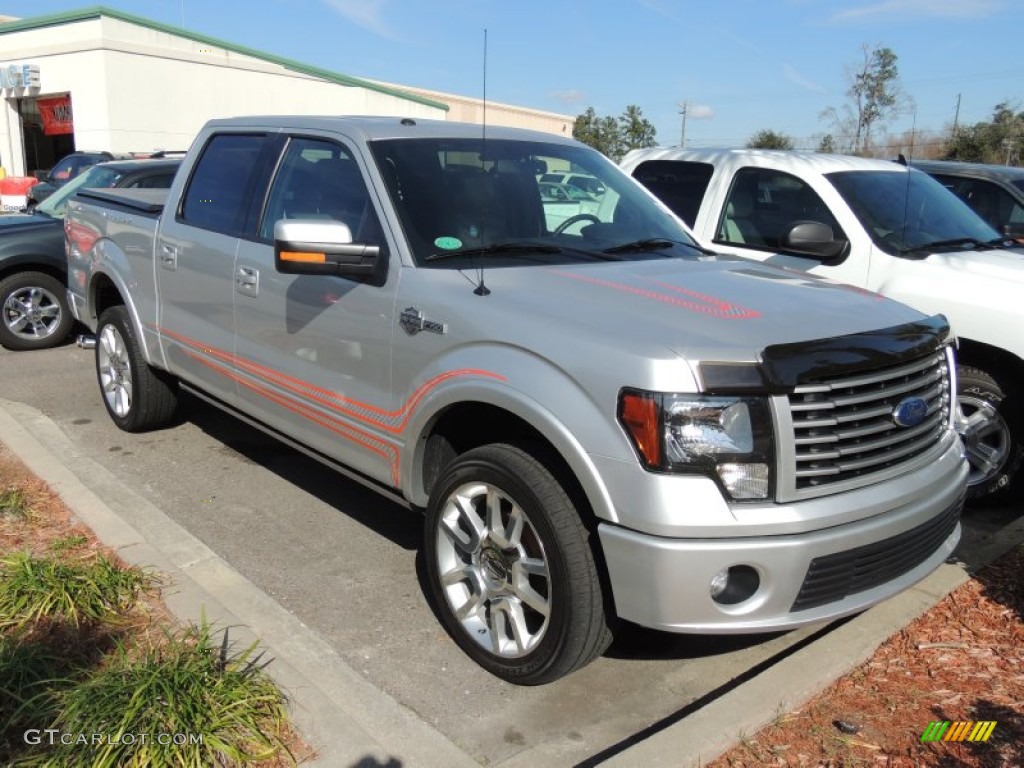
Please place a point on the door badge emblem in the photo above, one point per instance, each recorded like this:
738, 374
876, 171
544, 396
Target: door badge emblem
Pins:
413, 321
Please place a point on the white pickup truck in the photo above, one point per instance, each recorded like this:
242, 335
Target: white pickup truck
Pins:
877, 225
599, 419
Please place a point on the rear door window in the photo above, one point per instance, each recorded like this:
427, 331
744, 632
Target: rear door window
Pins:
218, 191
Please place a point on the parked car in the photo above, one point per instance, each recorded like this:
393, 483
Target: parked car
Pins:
599, 422
880, 226
995, 192
69, 167
584, 181
33, 265
562, 202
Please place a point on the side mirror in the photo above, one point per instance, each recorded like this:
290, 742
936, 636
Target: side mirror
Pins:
313, 247
1015, 231
814, 239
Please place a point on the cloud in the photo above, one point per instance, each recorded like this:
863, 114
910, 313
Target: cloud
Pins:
699, 112
572, 96
917, 9
364, 13
793, 76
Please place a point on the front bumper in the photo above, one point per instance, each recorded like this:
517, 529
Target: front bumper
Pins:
664, 583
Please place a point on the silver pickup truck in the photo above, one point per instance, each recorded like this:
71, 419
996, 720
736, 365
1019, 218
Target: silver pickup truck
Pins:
601, 420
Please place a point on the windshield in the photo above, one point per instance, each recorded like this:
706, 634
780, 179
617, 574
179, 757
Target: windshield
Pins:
97, 176
1019, 184
457, 196
903, 211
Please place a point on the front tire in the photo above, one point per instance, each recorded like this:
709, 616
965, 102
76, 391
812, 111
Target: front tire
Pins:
510, 567
992, 435
34, 310
137, 397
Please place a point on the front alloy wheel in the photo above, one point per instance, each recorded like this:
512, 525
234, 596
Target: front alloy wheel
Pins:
990, 431
494, 571
510, 567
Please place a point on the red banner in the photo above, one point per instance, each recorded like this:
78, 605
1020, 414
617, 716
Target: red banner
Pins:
56, 114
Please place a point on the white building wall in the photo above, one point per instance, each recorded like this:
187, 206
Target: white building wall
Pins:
136, 89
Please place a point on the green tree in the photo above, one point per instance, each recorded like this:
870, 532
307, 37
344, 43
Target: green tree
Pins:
769, 139
637, 131
827, 144
614, 136
999, 140
875, 98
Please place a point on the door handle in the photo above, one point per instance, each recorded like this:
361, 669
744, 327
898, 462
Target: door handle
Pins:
168, 256
247, 276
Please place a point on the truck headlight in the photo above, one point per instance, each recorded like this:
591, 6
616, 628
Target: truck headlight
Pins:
725, 437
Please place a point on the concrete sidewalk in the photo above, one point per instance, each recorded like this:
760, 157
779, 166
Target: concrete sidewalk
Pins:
353, 723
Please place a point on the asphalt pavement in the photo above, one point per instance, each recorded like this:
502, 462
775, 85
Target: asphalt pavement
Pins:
327, 575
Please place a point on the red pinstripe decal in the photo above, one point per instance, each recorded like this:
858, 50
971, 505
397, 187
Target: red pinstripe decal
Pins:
324, 397
389, 452
712, 306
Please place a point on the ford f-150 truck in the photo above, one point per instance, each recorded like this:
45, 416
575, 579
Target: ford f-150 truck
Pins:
600, 420
881, 226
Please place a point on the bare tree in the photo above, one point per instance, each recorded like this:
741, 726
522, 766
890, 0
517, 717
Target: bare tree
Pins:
875, 98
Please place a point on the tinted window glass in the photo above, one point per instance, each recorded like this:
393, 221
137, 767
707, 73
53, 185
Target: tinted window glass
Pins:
464, 196
908, 211
764, 205
321, 180
215, 195
678, 184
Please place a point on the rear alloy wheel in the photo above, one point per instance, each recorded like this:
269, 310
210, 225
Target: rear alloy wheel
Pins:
137, 397
34, 311
991, 435
510, 567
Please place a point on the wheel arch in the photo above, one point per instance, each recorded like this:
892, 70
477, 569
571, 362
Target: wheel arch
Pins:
995, 361
107, 290
463, 423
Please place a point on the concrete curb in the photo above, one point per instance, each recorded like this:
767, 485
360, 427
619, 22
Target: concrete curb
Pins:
352, 723
345, 718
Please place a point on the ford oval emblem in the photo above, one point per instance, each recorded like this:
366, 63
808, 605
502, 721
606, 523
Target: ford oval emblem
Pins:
910, 412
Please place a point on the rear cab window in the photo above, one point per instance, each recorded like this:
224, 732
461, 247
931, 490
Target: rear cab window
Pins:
677, 183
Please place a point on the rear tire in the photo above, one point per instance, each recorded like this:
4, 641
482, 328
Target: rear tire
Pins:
992, 437
510, 567
137, 397
34, 311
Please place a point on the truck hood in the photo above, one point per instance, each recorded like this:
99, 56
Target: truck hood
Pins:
717, 308
20, 222
1005, 264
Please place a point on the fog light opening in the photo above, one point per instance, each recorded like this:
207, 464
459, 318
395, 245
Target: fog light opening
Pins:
734, 584
745, 481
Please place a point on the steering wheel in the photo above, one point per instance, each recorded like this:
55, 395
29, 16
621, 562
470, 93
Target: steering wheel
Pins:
575, 220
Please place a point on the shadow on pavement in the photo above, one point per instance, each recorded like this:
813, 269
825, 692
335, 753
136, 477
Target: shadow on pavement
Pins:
402, 526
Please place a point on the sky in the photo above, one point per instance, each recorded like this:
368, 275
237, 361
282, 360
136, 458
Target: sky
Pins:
739, 66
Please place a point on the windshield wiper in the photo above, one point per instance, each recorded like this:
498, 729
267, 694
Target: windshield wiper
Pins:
487, 250
654, 244
957, 242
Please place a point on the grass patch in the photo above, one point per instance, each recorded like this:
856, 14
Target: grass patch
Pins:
197, 702
34, 589
65, 543
14, 503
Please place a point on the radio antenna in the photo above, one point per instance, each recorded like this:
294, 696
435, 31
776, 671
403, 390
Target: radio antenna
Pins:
906, 196
481, 289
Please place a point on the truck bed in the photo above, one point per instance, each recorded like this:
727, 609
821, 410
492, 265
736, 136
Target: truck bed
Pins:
147, 202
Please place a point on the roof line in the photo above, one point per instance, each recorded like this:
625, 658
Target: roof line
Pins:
97, 11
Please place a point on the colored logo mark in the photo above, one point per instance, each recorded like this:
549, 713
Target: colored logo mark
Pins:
959, 730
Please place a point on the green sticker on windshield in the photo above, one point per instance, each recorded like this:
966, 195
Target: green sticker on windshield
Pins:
448, 243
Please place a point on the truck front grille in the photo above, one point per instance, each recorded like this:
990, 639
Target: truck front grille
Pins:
833, 577
846, 429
